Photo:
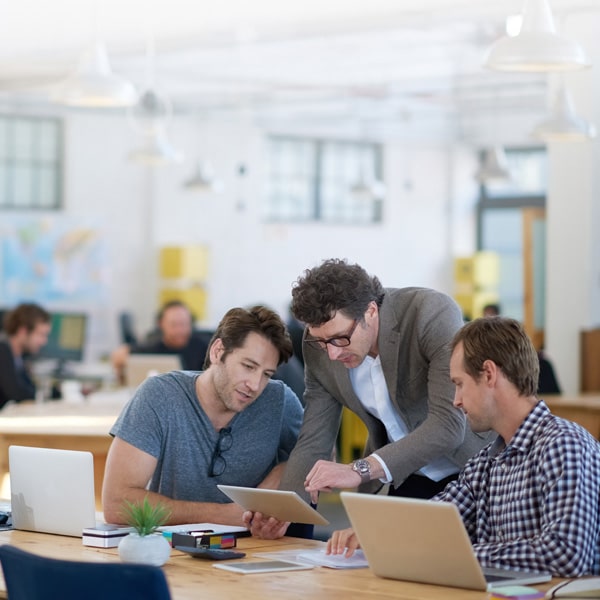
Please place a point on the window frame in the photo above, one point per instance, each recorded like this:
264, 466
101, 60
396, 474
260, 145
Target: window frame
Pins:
317, 177
35, 164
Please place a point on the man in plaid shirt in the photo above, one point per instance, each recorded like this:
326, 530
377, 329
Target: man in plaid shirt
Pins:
531, 499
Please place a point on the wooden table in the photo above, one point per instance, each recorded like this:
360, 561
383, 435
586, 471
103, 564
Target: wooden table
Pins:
192, 578
57, 424
583, 409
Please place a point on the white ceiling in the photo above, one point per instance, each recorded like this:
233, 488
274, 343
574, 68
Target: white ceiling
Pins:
375, 63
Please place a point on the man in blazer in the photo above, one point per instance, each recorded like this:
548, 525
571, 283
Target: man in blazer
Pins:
384, 354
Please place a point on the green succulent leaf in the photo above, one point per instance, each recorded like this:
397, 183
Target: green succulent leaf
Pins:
145, 517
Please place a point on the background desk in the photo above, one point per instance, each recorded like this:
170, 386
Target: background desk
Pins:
583, 409
192, 578
83, 426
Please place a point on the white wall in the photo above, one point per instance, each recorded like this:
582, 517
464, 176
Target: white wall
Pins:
573, 215
427, 217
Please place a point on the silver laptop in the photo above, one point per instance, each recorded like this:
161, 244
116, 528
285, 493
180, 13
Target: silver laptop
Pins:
52, 491
141, 366
423, 541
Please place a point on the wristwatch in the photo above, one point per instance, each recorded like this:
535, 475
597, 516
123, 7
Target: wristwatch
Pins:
363, 468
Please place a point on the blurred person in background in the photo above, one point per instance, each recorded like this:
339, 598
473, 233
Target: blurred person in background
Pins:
25, 333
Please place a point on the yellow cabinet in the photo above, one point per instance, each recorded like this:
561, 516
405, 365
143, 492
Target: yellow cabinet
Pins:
183, 272
184, 262
476, 282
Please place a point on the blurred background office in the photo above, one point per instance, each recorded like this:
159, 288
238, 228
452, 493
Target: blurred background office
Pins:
231, 149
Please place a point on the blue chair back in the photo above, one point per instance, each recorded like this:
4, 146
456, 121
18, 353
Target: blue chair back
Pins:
33, 577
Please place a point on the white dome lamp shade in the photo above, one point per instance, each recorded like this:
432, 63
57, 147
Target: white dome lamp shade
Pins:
537, 47
94, 85
564, 124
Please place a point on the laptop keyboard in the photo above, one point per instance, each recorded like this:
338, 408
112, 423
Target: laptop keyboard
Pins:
494, 578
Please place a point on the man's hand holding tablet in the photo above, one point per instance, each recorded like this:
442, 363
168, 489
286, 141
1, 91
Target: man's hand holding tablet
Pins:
263, 526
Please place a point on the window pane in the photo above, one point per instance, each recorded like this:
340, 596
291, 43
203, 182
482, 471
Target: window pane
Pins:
23, 132
48, 141
528, 175
23, 186
349, 180
48, 187
290, 180
502, 233
315, 180
30, 162
4, 141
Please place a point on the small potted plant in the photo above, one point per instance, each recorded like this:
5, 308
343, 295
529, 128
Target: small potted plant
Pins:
145, 544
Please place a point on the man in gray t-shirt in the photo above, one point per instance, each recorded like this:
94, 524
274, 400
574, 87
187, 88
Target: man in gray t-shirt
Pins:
184, 432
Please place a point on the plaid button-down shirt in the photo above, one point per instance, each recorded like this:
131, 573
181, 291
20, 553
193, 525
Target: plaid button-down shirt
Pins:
534, 504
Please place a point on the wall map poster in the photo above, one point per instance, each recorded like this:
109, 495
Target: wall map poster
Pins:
52, 260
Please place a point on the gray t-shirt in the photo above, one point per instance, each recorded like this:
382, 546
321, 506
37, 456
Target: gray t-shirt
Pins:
165, 419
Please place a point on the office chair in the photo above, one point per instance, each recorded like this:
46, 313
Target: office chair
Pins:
33, 577
126, 328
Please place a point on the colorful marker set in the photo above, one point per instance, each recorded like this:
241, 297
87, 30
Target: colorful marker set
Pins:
204, 539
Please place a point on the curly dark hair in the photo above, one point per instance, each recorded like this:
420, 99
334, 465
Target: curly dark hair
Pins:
239, 322
334, 286
505, 342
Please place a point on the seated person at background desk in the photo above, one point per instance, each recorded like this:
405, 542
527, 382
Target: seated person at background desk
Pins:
529, 500
175, 335
26, 330
185, 432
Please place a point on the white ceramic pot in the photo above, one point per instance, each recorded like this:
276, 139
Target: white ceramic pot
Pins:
151, 549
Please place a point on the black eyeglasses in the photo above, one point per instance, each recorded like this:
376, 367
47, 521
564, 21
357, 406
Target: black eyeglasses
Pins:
217, 462
339, 341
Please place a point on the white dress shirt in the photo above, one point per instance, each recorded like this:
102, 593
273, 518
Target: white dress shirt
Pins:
371, 389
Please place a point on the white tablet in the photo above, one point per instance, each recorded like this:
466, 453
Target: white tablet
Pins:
281, 504
263, 566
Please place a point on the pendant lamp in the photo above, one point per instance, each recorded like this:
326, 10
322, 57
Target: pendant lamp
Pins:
203, 180
537, 47
367, 188
150, 116
94, 85
156, 151
564, 124
494, 167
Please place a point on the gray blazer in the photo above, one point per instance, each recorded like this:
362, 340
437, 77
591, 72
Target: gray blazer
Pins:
415, 328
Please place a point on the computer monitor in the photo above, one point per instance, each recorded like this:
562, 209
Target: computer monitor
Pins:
66, 341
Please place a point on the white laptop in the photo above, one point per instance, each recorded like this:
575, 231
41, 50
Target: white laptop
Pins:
141, 366
423, 541
52, 491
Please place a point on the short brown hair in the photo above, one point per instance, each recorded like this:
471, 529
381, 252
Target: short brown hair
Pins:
24, 315
239, 322
503, 341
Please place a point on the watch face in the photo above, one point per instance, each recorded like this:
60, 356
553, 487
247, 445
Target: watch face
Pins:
362, 466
